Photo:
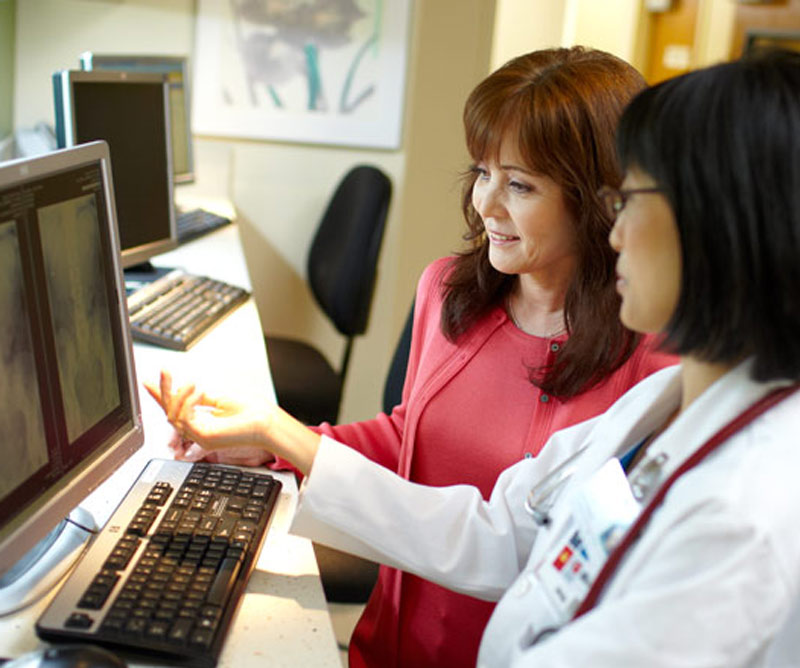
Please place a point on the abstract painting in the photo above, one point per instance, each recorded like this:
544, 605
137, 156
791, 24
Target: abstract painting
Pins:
316, 71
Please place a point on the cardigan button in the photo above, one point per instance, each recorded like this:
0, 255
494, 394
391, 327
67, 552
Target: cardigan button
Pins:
555, 347
544, 398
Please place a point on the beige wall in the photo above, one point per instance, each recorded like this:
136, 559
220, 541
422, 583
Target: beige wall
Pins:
610, 25
714, 31
524, 25
280, 189
51, 34
618, 26
6, 65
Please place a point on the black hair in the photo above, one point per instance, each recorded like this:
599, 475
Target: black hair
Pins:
724, 144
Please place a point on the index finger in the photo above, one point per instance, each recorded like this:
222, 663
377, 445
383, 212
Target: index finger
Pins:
165, 383
154, 392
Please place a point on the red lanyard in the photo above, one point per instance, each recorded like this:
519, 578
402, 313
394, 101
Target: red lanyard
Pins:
699, 455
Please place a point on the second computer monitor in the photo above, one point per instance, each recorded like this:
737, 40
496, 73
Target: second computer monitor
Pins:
130, 111
176, 70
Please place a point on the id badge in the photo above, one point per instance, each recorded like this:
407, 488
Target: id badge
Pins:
601, 511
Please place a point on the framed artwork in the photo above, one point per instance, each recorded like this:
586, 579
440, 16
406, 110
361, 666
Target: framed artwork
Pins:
312, 71
755, 39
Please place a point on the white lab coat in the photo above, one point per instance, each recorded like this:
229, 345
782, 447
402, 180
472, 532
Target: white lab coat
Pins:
714, 580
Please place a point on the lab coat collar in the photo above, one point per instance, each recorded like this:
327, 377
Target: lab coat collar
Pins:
645, 409
727, 397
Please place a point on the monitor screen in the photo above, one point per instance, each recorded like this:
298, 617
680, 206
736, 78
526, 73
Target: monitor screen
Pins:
69, 410
176, 69
130, 111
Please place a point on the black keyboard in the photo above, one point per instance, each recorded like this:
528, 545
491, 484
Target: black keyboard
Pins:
194, 223
166, 573
177, 309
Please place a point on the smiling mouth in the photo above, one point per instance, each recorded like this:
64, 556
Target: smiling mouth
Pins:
496, 237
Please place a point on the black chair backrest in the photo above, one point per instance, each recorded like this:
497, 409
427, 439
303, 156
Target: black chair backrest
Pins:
396, 378
344, 253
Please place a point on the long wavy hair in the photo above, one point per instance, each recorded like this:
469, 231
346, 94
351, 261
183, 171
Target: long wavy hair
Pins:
563, 105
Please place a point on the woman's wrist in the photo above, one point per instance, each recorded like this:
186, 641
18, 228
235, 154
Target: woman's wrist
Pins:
290, 439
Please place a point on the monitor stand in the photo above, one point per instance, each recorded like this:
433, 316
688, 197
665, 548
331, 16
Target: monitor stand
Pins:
41, 569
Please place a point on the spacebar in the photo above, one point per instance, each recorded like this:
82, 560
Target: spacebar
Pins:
224, 581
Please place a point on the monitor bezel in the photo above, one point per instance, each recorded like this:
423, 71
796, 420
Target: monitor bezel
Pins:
38, 518
89, 59
67, 132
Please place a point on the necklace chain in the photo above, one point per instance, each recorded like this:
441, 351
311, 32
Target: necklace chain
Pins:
510, 311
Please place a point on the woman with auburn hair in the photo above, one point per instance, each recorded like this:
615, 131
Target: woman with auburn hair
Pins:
513, 338
670, 538
557, 109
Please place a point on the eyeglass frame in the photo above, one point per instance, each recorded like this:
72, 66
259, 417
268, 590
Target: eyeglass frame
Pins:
614, 207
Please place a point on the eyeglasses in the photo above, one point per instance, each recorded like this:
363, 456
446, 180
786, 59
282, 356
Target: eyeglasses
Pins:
615, 199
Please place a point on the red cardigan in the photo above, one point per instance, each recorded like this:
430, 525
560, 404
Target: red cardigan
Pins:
468, 412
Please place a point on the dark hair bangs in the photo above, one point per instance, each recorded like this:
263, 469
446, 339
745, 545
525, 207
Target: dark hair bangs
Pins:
637, 144
724, 144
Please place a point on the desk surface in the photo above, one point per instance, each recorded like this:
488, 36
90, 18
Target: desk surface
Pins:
283, 619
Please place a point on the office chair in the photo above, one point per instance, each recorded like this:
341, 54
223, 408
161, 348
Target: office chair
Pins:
341, 273
345, 577
396, 378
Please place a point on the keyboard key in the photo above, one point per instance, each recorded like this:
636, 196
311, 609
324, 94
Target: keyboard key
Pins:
135, 626
79, 620
180, 630
157, 630
202, 638
223, 583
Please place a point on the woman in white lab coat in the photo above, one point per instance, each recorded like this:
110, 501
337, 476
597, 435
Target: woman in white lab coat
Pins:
665, 531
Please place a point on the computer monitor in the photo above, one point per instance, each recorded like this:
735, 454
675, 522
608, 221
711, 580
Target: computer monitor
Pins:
176, 69
130, 111
69, 408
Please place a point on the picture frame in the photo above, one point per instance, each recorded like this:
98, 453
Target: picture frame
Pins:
759, 38
312, 72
